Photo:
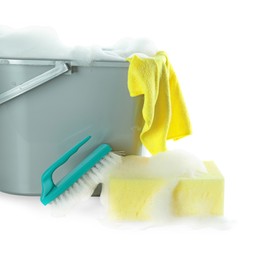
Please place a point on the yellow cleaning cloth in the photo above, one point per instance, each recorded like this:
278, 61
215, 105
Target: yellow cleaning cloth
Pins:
164, 111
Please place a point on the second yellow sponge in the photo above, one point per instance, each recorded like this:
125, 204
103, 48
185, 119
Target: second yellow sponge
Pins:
200, 196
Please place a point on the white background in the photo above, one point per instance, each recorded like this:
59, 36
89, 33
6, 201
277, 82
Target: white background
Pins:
227, 58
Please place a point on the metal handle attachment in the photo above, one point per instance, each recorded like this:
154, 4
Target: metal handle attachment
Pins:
59, 69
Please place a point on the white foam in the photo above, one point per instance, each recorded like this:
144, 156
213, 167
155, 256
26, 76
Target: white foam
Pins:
177, 163
32, 42
45, 43
169, 164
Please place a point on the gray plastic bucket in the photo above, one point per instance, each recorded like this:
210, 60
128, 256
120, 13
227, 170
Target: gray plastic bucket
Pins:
46, 107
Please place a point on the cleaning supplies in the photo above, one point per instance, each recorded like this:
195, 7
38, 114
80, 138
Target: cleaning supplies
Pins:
169, 184
137, 188
164, 111
81, 182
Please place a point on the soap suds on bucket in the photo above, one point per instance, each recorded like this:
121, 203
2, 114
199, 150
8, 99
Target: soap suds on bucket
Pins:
45, 43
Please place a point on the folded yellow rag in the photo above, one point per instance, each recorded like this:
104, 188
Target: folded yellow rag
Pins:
164, 112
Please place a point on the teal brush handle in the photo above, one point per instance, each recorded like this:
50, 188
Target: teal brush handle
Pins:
47, 181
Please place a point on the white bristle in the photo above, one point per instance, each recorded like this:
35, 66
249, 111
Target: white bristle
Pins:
83, 188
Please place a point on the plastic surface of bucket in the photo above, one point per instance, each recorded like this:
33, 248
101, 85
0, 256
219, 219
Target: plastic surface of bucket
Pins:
38, 126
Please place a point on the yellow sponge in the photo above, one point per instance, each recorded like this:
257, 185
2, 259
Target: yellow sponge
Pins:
136, 198
132, 199
202, 196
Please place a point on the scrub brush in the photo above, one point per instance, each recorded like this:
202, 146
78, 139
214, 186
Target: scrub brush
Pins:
81, 182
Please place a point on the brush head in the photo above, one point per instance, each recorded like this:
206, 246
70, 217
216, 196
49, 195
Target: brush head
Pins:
82, 180
84, 187
50, 191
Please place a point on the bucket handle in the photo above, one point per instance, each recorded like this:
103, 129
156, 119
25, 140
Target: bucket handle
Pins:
59, 69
